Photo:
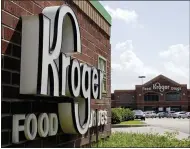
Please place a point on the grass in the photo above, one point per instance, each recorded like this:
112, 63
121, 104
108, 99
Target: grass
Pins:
133, 122
120, 139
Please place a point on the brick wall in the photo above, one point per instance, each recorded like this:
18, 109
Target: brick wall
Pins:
125, 98
138, 93
188, 98
94, 42
113, 104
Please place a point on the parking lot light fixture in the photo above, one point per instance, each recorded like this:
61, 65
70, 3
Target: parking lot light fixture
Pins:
142, 77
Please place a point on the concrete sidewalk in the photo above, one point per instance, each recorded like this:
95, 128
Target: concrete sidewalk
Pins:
150, 129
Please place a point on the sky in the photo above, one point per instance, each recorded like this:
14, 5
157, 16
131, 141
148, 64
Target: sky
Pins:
148, 38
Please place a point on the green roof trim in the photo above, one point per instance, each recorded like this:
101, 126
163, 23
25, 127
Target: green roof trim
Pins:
101, 10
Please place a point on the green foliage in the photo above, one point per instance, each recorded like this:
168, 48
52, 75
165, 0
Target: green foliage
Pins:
121, 114
130, 140
133, 122
129, 115
116, 116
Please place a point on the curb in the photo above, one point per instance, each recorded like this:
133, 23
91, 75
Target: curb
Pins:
128, 125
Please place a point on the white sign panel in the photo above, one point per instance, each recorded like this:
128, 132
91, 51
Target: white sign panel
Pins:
160, 109
168, 109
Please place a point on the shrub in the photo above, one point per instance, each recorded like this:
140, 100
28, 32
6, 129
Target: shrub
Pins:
116, 116
130, 140
121, 114
129, 115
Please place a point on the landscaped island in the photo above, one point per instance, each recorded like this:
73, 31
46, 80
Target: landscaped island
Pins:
129, 140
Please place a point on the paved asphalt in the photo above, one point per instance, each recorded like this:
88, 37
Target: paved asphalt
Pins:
182, 125
161, 126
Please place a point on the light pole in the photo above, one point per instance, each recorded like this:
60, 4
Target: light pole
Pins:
142, 77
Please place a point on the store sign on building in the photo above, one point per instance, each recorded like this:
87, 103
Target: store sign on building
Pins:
161, 88
47, 70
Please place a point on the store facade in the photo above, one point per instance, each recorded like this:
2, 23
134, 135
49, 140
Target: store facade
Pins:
55, 73
158, 94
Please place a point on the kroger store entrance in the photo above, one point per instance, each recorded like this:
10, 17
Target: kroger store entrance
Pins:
158, 94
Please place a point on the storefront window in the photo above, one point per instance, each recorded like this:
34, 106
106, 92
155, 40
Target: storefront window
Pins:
172, 96
150, 108
175, 108
102, 66
151, 97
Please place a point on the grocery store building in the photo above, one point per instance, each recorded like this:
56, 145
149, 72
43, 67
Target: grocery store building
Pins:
55, 60
158, 94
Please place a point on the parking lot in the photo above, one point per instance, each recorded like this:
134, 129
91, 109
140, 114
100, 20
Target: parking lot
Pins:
161, 126
182, 125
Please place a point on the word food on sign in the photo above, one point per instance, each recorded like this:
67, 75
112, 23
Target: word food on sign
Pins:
161, 88
47, 124
147, 88
47, 69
